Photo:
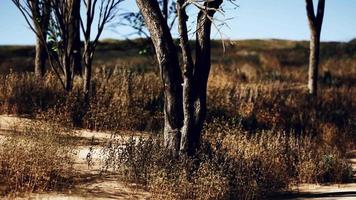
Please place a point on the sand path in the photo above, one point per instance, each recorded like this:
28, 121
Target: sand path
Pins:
89, 183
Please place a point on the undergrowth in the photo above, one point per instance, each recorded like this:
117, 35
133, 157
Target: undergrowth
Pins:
229, 165
37, 158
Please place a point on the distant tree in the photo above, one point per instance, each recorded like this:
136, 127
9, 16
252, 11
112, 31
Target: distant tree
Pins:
37, 13
185, 92
64, 25
107, 10
315, 24
63, 35
61, 26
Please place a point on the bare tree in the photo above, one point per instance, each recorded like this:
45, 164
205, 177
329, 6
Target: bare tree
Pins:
107, 10
65, 23
38, 12
63, 34
135, 19
315, 24
77, 44
184, 93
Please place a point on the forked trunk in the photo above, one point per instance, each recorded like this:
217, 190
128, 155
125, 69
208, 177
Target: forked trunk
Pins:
315, 24
196, 80
72, 52
185, 108
41, 21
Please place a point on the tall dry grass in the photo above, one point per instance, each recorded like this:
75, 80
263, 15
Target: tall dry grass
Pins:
35, 158
230, 164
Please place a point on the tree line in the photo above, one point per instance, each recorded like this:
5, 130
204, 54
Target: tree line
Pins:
59, 24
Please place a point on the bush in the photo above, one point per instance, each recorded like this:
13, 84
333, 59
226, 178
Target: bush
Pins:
37, 160
229, 165
23, 94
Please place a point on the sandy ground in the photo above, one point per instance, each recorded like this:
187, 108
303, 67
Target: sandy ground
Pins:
95, 186
91, 184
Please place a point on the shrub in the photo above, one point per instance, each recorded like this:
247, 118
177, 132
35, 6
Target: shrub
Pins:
120, 100
231, 164
24, 94
39, 159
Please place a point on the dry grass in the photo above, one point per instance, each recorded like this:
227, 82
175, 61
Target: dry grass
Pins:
263, 134
37, 159
230, 165
121, 100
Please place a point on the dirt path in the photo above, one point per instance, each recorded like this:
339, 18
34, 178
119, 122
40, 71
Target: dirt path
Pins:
93, 186
90, 185
352, 158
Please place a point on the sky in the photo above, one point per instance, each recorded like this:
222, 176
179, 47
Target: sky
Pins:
252, 19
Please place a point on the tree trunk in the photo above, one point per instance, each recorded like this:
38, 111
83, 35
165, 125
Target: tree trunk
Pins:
314, 62
315, 24
185, 108
40, 59
40, 20
165, 9
70, 39
77, 60
67, 73
188, 90
170, 72
87, 83
195, 85
87, 76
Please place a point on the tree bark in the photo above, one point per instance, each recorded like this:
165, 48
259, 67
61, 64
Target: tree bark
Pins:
40, 59
165, 9
170, 72
188, 90
185, 108
87, 76
40, 15
315, 24
70, 39
196, 80
68, 73
314, 63
77, 58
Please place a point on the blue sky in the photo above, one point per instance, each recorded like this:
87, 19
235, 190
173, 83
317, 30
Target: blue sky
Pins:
253, 19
